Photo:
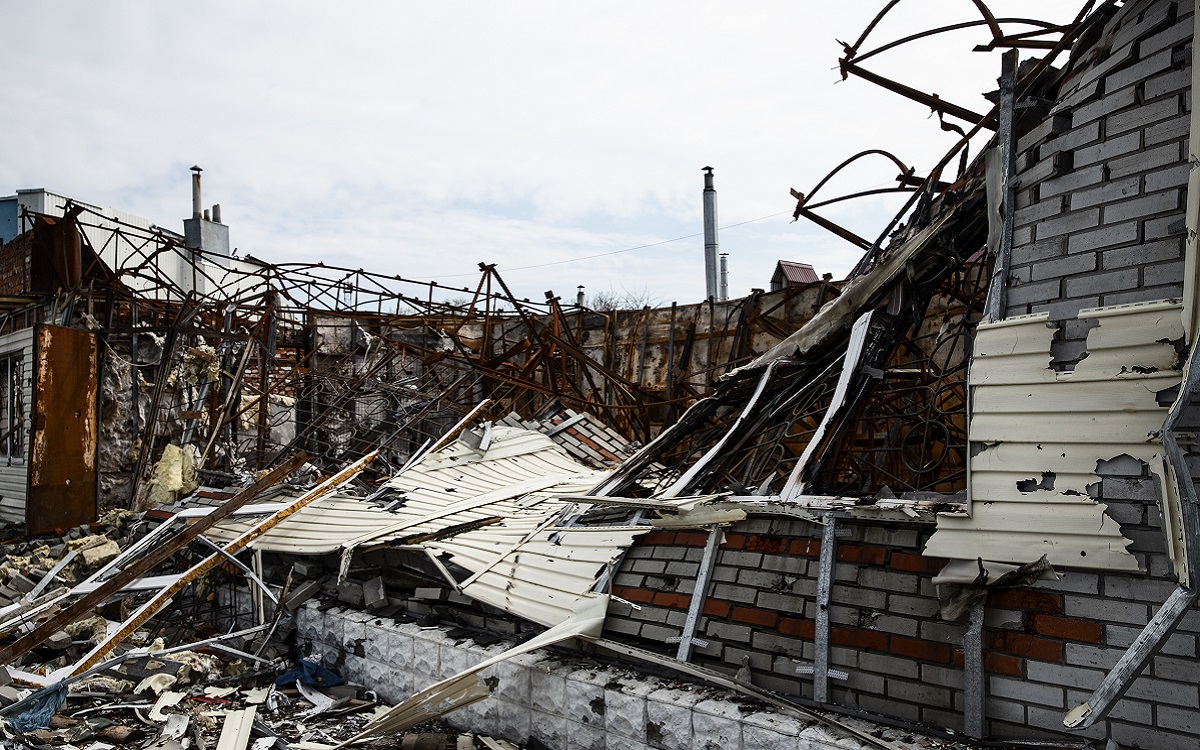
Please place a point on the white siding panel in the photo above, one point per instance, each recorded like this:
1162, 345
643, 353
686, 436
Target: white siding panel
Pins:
14, 475
1030, 422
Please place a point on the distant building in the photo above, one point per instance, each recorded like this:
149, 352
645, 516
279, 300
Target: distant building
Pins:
790, 273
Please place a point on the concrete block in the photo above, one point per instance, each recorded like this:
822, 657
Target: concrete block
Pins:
513, 720
301, 594
350, 592
716, 725
375, 595
625, 712
549, 728
515, 677
669, 718
426, 660
584, 736
585, 696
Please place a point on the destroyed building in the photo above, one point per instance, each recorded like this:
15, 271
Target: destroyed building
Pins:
953, 493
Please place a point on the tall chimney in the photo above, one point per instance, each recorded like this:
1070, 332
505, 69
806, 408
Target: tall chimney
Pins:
196, 192
724, 276
710, 234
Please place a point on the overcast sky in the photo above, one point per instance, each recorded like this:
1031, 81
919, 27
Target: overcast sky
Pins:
422, 139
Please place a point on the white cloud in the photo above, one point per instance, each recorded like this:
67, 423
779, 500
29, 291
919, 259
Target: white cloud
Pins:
422, 138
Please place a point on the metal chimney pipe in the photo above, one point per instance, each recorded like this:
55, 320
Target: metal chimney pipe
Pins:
710, 234
724, 277
196, 192
216, 214
579, 298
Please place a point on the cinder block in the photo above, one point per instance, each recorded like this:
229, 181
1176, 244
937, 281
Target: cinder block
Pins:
549, 728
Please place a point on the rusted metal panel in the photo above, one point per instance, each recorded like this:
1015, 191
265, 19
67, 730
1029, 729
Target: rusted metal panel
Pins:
62, 476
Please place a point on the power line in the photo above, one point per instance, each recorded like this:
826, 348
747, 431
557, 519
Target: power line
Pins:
625, 250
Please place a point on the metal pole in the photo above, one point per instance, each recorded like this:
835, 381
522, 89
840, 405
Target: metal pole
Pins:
710, 234
688, 637
824, 585
974, 685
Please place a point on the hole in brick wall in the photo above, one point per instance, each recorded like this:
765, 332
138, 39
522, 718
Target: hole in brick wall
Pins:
1069, 346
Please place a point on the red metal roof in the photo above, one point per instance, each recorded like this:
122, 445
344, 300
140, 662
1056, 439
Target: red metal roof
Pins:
796, 273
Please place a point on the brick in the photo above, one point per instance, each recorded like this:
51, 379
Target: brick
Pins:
1063, 627
1076, 180
1105, 610
1169, 37
1061, 674
727, 631
1144, 161
1103, 106
1139, 117
1168, 248
1165, 692
797, 627
734, 593
671, 599
858, 638
1179, 720
657, 537
806, 547
1106, 193
734, 541
1077, 137
1068, 266
916, 563
1163, 273
1105, 236
1023, 644
643, 596
1067, 223
648, 566
912, 605
1040, 601
1140, 71
755, 616
861, 554
1052, 206
916, 648
1049, 128
1037, 292
741, 559
1144, 294
994, 663
1057, 163
691, 538
895, 625
1110, 148
773, 544
888, 580
916, 692
888, 665
1174, 129
1025, 691
785, 603
1152, 203
1052, 247
1172, 177
716, 608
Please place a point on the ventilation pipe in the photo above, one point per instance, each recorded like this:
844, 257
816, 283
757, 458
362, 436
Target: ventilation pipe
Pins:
710, 234
216, 212
196, 192
724, 277
579, 297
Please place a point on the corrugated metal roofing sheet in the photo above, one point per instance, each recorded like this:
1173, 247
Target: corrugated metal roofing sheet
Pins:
1039, 435
797, 273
